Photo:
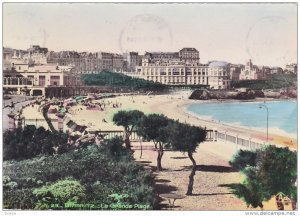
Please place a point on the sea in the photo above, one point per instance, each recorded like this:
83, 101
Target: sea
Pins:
282, 115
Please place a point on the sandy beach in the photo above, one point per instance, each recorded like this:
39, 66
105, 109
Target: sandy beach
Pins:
214, 175
173, 106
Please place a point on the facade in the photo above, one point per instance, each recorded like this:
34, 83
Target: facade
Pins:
46, 75
235, 71
276, 70
219, 75
117, 62
131, 59
160, 57
34, 55
87, 62
291, 68
251, 72
39, 77
186, 55
189, 55
215, 74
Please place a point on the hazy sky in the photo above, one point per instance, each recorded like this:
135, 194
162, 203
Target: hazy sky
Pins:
266, 33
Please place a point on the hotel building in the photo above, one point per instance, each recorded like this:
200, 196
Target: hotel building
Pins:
171, 69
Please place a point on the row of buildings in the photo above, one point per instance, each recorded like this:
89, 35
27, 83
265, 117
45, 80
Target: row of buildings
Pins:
184, 68
40, 67
82, 62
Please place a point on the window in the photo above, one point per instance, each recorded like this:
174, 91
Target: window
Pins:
42, 80
54, 80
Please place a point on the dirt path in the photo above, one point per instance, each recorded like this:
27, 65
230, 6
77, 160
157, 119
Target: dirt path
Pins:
212, 176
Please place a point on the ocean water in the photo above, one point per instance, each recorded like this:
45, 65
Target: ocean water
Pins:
282, 114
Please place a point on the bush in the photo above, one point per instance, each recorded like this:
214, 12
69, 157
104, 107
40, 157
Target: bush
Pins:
60, 193
100, 170
267, 172
243, 159
29, 142
18, 198
114, 147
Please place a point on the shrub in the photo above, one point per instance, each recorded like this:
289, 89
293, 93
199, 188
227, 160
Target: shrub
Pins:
61, 192
243, 159
29, 142
100, 170
267, 172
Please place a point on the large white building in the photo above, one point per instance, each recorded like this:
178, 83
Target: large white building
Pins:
176, 72
38, 77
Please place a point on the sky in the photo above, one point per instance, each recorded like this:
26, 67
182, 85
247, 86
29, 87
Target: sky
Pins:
265, 33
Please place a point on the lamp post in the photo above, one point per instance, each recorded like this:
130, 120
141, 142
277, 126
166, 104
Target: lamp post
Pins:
265, 106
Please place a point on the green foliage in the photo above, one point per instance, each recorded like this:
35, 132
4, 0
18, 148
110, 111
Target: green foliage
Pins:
267, 172
29, 142
278, 169
128, 118
251, 191
18, 198
275, 81
185, 137
152, 127
107, 78
61, 192
100, 170
114, 147
242, 159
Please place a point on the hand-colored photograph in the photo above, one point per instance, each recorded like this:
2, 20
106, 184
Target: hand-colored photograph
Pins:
149, 106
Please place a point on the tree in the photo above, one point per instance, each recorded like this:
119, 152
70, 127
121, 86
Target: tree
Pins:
28, 142
129, 120
45, 115
243, 159
275, 171
251, 191
154, 128
17, 142
37, 142
186, 138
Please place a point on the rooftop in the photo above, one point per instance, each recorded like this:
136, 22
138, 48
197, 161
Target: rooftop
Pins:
188, 49
217, 64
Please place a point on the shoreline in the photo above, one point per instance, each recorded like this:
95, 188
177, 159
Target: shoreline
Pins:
278, 138
236, 125
171, 105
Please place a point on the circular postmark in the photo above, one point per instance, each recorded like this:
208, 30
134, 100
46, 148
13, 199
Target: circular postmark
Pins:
265, 41
145, 31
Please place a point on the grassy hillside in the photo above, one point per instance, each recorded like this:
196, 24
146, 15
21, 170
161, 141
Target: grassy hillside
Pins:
107, 78
275, 81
